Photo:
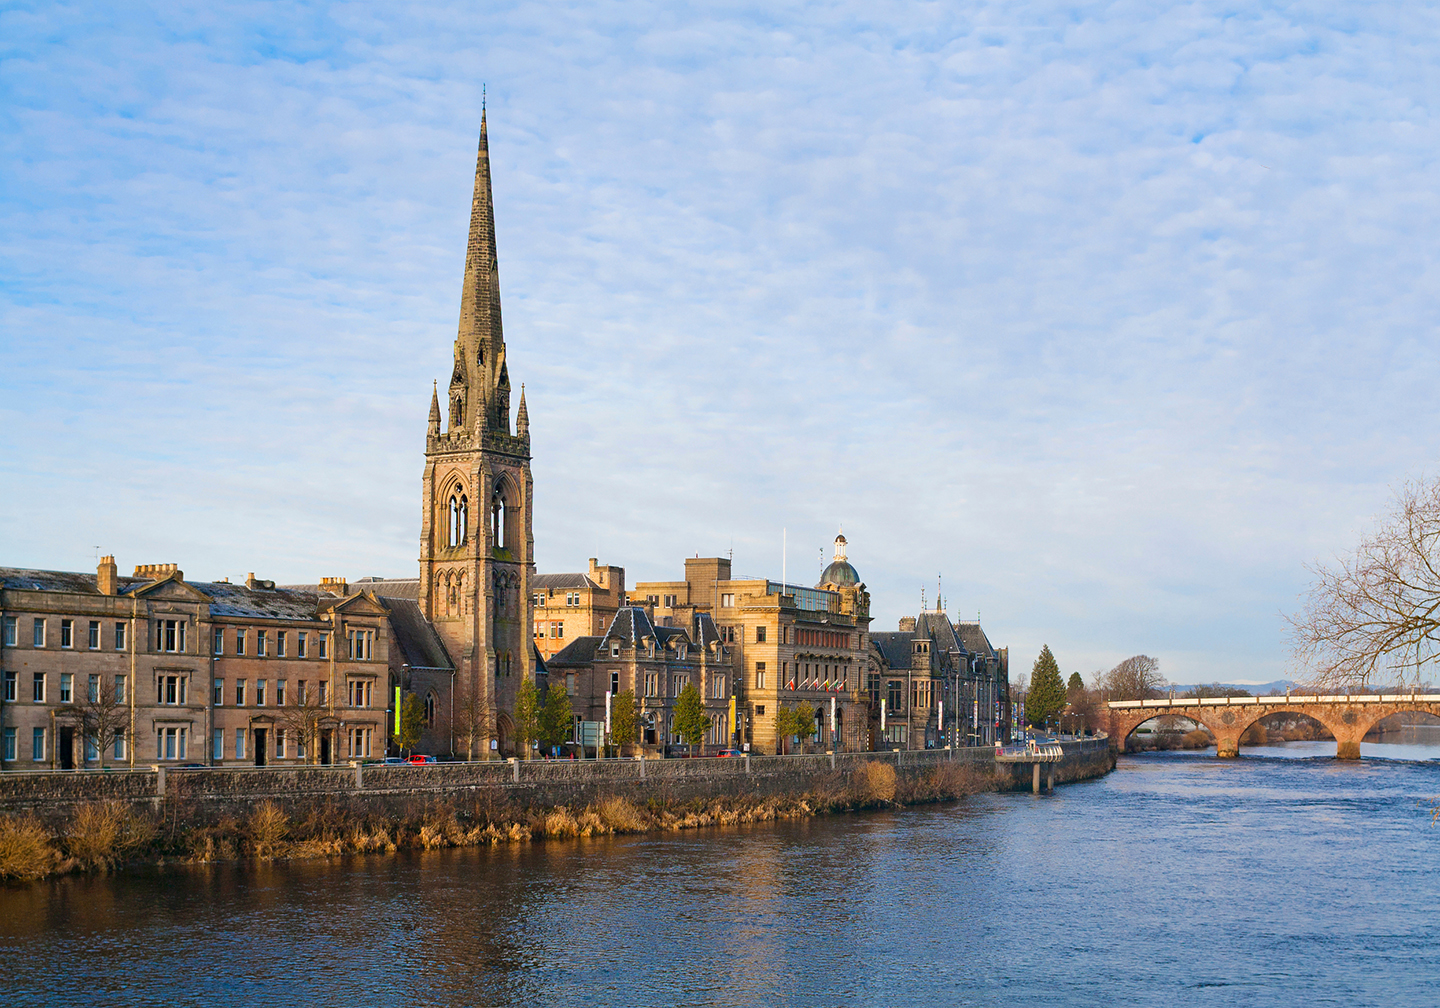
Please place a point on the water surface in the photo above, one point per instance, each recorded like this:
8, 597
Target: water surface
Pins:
1281, 878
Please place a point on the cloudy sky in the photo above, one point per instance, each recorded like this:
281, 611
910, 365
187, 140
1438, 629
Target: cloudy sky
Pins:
1115, 315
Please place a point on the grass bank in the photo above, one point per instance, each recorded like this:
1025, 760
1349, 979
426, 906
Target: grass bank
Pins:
105, 835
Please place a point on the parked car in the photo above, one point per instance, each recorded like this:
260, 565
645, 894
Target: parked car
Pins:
418, 760
728, 752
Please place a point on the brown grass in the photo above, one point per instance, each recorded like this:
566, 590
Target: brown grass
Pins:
105, 833
1197, 739
873, 783
266, 830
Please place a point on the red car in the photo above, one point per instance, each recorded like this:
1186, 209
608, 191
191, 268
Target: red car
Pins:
418, 760
729, 752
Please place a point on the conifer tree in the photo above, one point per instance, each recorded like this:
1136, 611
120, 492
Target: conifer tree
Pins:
1074, 685
1046, 698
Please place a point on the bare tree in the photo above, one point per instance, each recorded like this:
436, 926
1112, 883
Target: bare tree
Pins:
470, 719
1377, 611
303, 716
1135, 678
102, 714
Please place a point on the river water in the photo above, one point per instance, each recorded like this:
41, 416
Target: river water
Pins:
1281, 878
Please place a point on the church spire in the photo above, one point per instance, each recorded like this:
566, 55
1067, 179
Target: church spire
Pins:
479, 386
435, 410
522, 416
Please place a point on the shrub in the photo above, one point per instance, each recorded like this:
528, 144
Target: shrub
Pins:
266, 829
1197, 739
25, 850
622, 815
873, 783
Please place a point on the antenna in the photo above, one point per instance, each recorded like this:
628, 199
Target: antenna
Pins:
482, 97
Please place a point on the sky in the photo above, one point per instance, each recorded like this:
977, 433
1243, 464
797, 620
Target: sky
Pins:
1108, 318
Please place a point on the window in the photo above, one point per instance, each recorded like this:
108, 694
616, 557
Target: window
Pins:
429, 708
92, 751
459, 519
572, 599
727, 601
300, 645
11, 687
218, 696
39, 685
119, 749
218, 646
119, 636
614, 649
239, 642
323, 688
539, 631
557, 630
94, 641
652, 684
539, 600
239, 743
279, 743
260, 692
499, 526
239, 692
323, 640
10, 631
92, 690
169, 635
217, 744
279, 692
37, 745
67, 633
280, 644
897, 734
896, 690
170, 689
759, 635
872, 685
260, 642
170, 743
653, 599
360, 741
570, 683
677, 683
8, 753
760, 710
759, 675
65, 687
361, 644
360, 693
670, 601
614, 683
120, 696
39, 633
717, 687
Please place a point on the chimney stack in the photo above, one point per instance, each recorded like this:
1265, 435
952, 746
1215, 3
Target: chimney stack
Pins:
336, 586
107, 576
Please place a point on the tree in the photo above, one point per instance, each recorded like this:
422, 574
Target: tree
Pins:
527, 717
470, 719
1377, 611
411, 722
1135, 678
691, 721
1074, 686
804, 720
102, 714
556, 717
1047, 690
624, 719
302, 717
798, 720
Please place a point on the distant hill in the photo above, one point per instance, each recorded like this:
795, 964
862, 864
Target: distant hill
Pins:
1255, 689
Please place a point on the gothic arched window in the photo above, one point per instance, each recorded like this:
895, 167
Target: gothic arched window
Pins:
430, 708
498, 520
459, 518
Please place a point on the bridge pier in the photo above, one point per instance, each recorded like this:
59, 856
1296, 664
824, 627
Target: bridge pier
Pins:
1227, 744
1346, 749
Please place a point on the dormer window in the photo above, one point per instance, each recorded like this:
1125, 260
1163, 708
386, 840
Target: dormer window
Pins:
614, 649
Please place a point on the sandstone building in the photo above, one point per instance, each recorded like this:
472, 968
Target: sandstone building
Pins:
570, 606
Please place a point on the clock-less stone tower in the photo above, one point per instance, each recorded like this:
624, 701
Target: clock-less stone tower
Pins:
476, 543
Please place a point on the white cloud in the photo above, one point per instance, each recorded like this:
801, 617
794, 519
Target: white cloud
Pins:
1115, 315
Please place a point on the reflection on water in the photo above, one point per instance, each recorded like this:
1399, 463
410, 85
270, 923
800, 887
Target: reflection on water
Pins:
1284, 877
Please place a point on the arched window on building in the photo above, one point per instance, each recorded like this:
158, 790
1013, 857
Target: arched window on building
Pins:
499, 519
459, 518
430, 708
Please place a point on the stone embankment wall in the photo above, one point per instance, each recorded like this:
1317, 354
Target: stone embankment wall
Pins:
204, 795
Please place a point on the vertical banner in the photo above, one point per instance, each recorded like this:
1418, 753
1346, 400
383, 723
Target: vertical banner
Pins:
832, 723
940, 720
732, 717
882, 716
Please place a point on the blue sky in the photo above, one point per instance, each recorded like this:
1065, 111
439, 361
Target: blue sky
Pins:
1117, 315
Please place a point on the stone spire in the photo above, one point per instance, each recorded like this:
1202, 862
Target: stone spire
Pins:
480, 383
522, 416
435, 411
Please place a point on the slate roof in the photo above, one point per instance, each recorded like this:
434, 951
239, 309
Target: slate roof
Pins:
937, 626
419, 644
579, 652
894, 647
975, 640
550, 582
227, 599
706, 633
408, 588
631, 624
24, 579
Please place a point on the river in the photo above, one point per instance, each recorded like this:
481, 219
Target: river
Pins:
1281, 878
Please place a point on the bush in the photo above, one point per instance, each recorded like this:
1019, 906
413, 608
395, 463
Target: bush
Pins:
266, 830
25, 850
623, 816
104, 833
873, 783
1197, 739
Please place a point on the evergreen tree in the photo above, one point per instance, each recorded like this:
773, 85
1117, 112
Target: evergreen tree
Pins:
556, 717
691, 722
1074, 685
527, 717
410, 723
624, 718
1046, 698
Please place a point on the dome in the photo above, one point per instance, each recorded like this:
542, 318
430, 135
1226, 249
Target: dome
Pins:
840, 573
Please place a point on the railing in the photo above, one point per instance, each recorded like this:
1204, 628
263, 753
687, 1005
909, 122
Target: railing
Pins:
1287, 699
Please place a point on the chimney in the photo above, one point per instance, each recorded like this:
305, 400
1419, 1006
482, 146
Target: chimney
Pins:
335, 586
253, 583
156, 572
106, 575
907, 624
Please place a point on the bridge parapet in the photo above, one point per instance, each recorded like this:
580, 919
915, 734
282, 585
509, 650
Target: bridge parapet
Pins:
1227, 718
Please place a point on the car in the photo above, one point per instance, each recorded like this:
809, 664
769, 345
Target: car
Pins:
728, 752
417, 759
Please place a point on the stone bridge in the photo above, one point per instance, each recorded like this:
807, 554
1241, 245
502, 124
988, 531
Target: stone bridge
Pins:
1227, 718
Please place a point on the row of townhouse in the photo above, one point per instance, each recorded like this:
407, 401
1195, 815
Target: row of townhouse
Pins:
102, 670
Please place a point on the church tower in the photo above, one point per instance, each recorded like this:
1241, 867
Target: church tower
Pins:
476, 544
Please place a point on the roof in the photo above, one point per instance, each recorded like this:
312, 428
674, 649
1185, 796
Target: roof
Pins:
894, 647
840, 572
706, 633
420, 645
553, 581
936, 625
631, 624
408, 588
975, 640
580, 651
226, 598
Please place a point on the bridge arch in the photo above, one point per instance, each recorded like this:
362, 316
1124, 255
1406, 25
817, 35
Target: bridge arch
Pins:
1137, 724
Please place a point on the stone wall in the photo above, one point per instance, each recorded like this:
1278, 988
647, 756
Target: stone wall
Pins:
204, 795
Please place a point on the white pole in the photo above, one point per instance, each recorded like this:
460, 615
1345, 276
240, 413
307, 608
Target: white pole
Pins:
882, 715
940, 709
784, 553
832, 721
